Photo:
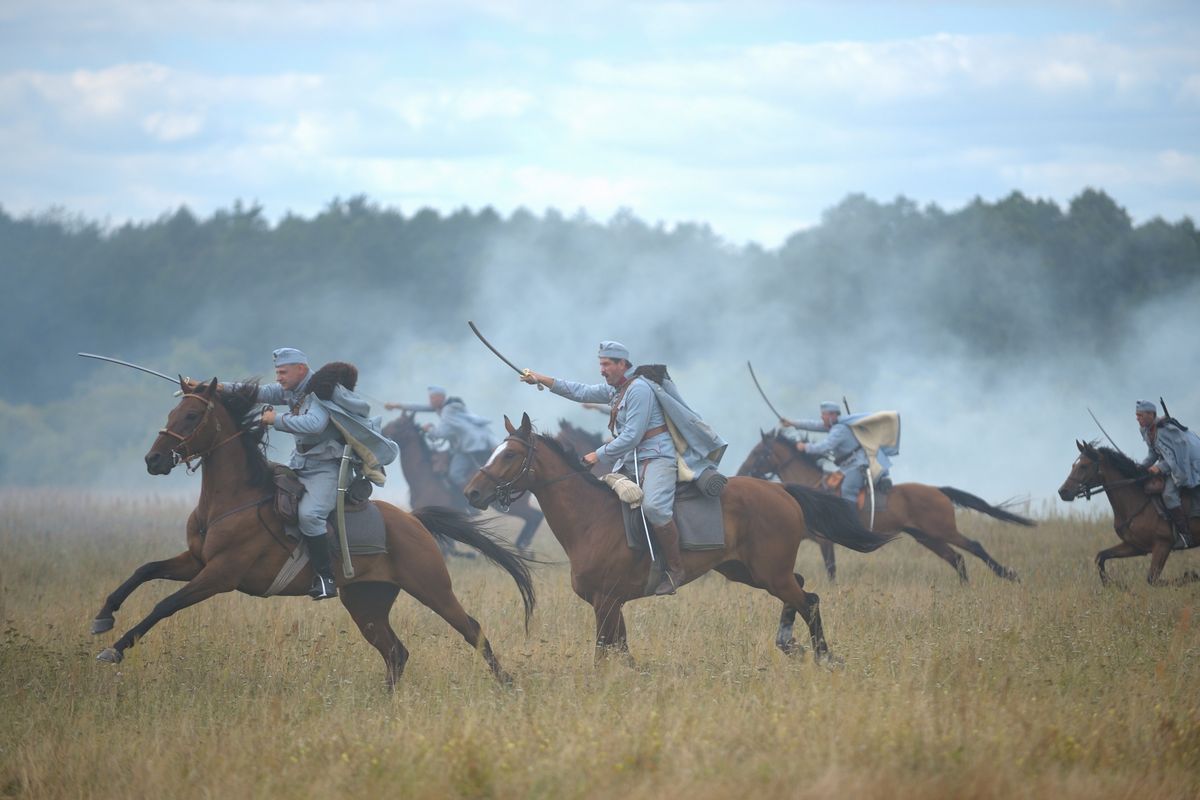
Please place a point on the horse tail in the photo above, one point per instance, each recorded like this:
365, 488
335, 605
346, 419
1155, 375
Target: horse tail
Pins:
835, 519
967, 500
461, 528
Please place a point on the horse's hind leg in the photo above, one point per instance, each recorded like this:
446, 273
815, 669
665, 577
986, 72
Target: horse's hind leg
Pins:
973, 547
830, 559
435, 592
182, 567
943, 550
789, 588
738, 572
369, 604
1158, 560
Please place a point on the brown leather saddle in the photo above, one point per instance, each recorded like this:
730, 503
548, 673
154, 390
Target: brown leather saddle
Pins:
289, 490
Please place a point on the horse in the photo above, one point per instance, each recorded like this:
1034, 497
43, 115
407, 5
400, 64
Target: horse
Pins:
1142, 530
764, 524
924, 512
427, 487
581, 441
235, 539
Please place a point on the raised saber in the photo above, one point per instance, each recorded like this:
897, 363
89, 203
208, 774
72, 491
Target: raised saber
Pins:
500, 355
758, 386
146, 370
1116, 446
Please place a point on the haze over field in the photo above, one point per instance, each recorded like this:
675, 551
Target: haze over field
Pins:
734, 168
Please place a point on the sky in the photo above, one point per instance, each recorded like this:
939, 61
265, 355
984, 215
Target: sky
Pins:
752, 117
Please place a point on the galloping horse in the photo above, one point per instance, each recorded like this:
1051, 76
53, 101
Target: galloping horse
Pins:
924, 512
235, 540
1135, 519
426, 487
764, 523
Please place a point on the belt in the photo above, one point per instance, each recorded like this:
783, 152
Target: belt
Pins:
652, 432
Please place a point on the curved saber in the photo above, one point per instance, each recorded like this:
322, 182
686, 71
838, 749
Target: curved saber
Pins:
871, 489
500, 355
131, 366
758, 386
1116, 446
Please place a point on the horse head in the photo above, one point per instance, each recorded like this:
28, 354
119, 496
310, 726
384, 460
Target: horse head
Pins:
509, 470
191, 430
403, 429
1085, 474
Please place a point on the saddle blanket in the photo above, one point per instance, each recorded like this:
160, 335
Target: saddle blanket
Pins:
697, 516
367, 535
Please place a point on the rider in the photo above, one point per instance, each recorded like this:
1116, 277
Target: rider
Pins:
1174, 453
641, 405
841, 445
469, 435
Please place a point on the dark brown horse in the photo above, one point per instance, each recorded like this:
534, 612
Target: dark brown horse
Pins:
236, 541
1142, 530
581, 441
428, 487
924, 512
764, 523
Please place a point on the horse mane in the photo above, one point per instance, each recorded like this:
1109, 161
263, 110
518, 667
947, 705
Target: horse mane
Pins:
238, 402
593, 439
389, 431
568, 454
806, 457
1123, 463
326, 379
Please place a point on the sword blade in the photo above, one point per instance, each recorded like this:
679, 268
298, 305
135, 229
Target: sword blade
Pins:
761, 392
1106, 436
497, 353
131, 366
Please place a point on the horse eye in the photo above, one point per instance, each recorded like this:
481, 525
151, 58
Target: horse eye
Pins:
508, 455
191, 415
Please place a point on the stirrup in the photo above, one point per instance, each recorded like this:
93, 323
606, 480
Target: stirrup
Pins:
667, 581
322, 588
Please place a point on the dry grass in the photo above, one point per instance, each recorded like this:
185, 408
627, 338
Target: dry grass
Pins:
1051, 687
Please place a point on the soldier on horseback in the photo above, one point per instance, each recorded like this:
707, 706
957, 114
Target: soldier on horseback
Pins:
642, 403
1174, 454
468, 435
842, 446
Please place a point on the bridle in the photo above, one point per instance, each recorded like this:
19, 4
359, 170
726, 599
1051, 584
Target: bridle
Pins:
764, 465
1087, 491
505, 496
186, 456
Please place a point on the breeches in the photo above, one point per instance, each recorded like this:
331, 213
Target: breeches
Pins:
658, 484
320, 495
1170, 495
855, 478
463, 467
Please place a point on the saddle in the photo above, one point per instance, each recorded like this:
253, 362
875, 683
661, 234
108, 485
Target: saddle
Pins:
289, 490
832, 483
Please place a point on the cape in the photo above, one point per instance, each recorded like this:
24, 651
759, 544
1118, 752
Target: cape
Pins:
879, 435
333, 387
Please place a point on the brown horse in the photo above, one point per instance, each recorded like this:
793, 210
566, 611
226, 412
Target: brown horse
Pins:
427, 487
1142, 530
764, 523
236, 541
924, 512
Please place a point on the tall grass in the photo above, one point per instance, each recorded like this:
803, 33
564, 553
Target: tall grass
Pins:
1054, 686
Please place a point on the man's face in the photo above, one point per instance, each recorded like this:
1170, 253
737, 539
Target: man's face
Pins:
291, 375
829, 418
437, 400
612, 371
1145, 418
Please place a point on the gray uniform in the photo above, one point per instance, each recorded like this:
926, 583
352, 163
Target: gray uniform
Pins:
1176, 453
844, 449
469, 435
639, 411
318, 452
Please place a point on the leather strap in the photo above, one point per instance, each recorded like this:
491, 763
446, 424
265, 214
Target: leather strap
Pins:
652, 432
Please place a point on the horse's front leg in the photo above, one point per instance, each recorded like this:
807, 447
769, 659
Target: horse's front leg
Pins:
1123, 550
215, 578
1158, 560
182, 567
611, 637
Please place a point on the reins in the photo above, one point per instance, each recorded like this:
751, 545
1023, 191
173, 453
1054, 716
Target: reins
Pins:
187, 457
504, 493
1087, 492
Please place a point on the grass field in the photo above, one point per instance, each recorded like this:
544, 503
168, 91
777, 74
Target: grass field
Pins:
1051, 687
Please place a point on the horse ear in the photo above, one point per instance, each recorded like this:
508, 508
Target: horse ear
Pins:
183, 389
508, 426
526, 423
1079, 444
212, 387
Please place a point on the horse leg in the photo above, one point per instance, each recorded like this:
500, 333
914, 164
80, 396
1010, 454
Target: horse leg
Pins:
611, 636
789, 587
1158, 559
215, 578
976, 549
1123, 550
738, 572
436, 593
943, 550
369, 605
182, 567
533, 518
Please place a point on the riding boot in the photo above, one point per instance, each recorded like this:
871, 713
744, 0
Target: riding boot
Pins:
668, 541
1179, 520
323, 586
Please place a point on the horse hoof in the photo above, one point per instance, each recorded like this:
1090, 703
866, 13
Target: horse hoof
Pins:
1011, 574
102, 625
110, 655
505, 679
830, 661
791, 648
